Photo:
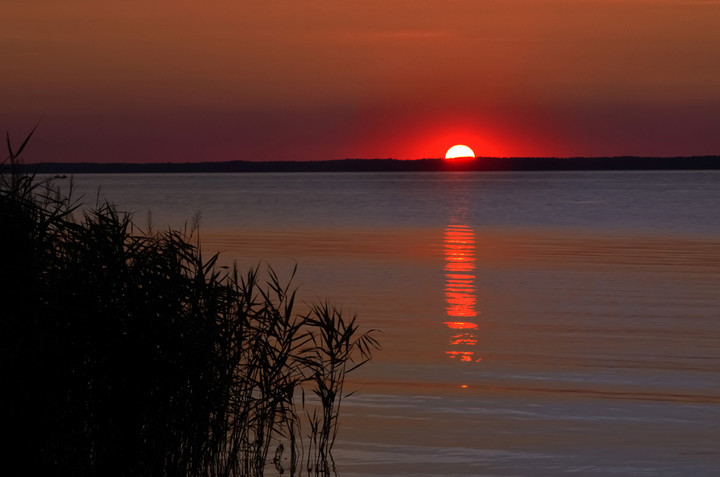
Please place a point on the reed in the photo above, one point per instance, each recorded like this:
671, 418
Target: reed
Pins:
124, 351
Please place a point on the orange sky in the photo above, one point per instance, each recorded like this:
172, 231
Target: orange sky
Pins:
139, 81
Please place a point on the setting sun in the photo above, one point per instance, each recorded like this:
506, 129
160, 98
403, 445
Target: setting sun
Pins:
459, 151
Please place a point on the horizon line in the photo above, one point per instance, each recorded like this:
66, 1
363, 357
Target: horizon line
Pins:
440, 159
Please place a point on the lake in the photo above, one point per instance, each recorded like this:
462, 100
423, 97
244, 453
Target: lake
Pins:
542, 324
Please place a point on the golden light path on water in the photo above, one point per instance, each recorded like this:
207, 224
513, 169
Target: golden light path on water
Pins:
460, 291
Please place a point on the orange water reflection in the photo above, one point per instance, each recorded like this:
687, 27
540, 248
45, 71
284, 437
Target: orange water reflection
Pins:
460, 291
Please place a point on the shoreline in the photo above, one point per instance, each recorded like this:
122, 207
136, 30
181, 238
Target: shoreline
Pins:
628, 163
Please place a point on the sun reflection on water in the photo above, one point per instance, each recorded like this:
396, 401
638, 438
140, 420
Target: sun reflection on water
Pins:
460, 291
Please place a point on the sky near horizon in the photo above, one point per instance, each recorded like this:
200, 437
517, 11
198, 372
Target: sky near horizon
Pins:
179, 81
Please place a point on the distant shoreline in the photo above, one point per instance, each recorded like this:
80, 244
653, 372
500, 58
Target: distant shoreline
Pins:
392, 165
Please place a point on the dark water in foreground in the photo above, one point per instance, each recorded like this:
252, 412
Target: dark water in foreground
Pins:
532, 323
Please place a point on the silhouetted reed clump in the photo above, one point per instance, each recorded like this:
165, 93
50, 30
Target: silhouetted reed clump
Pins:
126, 352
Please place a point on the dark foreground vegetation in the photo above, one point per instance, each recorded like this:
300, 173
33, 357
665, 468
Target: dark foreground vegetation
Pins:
127, 353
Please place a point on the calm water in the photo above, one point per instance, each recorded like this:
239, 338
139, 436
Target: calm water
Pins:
532, 323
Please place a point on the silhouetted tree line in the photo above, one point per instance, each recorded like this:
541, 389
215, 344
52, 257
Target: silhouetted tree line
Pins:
127, 353
395, 165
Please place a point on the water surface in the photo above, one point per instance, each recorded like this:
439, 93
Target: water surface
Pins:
543, 323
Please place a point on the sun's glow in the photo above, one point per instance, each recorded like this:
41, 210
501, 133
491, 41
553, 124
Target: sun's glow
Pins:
459, 151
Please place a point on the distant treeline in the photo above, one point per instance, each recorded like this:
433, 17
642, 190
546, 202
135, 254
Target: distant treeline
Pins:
391, 165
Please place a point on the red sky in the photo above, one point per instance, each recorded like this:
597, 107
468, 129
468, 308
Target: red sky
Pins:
157, 81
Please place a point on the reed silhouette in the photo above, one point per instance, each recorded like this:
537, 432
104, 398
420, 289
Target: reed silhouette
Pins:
125, 351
